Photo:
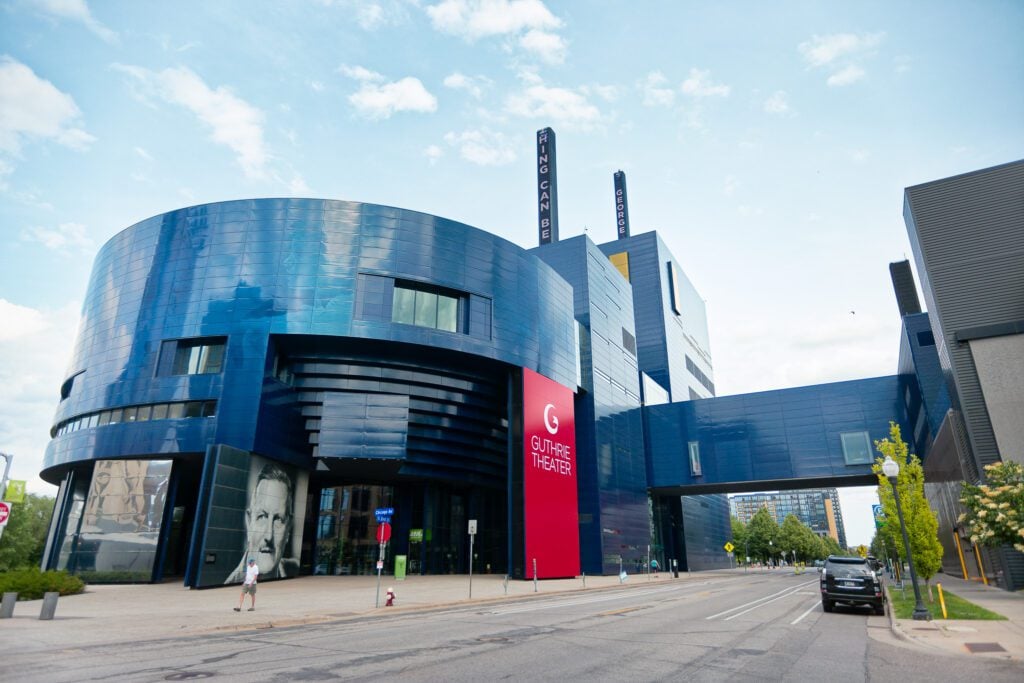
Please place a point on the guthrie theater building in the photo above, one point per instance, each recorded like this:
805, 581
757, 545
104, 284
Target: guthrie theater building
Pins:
255, 378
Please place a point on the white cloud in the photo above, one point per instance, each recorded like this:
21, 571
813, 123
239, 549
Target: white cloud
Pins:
65, 237
903, 64
433, 153
777, 103
549, 47
77, 10
359, 73
655, 95
474, 19
32, 107
846, 76
143, 153
316, 86
859, 156
474, 85
483, 147
840, 54
35, 347
297, 186
380, 101
369, 16
232, 121
699, 84
558, 106
825, 50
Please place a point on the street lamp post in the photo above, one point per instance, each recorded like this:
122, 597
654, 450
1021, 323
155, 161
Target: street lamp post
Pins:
891, 469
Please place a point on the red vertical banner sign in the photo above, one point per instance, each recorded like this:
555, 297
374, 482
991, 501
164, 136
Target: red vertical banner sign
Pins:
550, 508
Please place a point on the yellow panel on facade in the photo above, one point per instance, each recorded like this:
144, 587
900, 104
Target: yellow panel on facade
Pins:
621, 262
830, 515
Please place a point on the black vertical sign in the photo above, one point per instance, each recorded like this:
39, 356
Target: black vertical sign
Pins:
547, 187
621, 206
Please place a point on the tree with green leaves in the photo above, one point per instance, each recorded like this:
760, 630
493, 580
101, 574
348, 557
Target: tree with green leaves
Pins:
994, 513
24, 538
922, 525
739, 537
762, 529
790, 536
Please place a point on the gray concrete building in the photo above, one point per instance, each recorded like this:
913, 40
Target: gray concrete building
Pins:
967, 235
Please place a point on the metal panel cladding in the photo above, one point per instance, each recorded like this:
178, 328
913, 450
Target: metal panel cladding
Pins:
244, 271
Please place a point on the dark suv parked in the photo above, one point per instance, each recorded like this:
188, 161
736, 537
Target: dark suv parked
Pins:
850, 580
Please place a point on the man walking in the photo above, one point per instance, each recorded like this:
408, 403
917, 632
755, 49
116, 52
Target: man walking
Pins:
249, 586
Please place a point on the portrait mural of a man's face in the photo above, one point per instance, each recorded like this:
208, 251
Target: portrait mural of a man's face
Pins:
268, 521
270, 526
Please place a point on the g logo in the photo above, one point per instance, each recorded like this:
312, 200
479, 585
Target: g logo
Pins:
550, 421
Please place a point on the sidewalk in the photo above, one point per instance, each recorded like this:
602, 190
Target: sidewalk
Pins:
120, 613
1000, 639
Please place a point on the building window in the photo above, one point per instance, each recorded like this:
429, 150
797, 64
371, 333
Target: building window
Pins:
856, 448
143, 413
425, 308
628, 341
673, 288
193, 356
694, 449
925, 338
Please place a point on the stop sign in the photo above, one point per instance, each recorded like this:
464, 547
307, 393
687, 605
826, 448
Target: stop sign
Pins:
5, 512
383, 532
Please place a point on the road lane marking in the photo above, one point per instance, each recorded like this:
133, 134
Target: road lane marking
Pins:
809, 610
587, 600
765, 600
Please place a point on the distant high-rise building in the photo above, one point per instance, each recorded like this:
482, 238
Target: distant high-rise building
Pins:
817, 508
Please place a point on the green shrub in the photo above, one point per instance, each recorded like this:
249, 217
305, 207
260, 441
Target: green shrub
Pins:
30, 584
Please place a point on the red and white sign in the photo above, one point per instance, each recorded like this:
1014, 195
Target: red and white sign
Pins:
5, 513
383, 532
551, 524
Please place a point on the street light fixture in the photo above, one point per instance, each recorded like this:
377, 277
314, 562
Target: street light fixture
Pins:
891, 469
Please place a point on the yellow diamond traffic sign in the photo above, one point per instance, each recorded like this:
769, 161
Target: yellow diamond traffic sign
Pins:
729, 547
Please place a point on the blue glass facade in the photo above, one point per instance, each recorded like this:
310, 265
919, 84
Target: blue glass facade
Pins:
614, 520
788, 438
367, 355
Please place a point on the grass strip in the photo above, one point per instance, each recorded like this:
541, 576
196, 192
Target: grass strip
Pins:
956, 607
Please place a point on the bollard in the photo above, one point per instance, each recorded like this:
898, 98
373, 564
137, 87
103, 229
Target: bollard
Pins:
535, 575
49, 605
506, 584
584, 579
7, 608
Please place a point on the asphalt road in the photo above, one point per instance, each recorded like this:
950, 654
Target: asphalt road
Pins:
763, 627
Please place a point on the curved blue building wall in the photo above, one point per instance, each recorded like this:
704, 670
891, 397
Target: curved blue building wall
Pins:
224, 340
246, 270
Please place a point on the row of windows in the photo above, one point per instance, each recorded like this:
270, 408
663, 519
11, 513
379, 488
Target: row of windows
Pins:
701, 377
143, 413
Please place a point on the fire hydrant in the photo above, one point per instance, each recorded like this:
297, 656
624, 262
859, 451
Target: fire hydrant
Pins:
390, 595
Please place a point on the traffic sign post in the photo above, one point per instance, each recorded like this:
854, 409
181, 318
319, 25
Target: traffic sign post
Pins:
383, 516
472, 535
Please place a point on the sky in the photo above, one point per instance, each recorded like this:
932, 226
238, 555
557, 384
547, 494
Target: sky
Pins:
768, 143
